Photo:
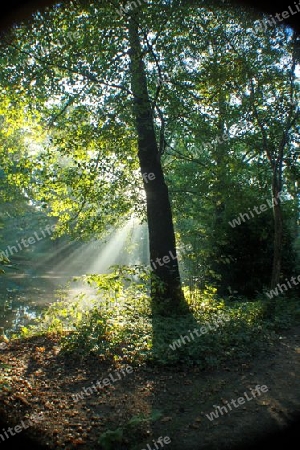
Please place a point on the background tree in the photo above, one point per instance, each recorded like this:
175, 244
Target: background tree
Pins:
95, 80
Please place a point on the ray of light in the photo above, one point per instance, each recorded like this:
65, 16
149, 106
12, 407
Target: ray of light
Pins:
127, 245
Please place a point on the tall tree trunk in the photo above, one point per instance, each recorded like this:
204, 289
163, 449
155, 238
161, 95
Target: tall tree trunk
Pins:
166, 292
278, 233
219, 154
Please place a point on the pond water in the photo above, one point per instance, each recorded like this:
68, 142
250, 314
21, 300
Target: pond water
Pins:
37, 279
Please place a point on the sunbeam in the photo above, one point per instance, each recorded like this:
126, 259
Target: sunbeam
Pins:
49, 276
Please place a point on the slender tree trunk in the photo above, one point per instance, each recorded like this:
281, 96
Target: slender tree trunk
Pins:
278, 233
167, 292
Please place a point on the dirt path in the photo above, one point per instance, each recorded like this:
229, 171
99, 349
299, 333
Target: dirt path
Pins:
43, 380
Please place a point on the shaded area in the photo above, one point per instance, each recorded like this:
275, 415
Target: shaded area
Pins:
44, 379
20, 440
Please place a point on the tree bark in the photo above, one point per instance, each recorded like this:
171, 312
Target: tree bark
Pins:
166, 288
278, 233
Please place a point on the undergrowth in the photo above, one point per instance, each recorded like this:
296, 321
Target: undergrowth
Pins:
117, 323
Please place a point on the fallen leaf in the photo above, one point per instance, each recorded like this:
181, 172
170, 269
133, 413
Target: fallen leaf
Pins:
40, 349
78, 441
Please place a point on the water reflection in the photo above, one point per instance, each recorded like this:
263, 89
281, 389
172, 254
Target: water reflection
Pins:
36, 283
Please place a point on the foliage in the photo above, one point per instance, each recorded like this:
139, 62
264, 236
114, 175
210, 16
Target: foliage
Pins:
4, 377
131, 431
111, 439
214, 66
4, 262
119, 324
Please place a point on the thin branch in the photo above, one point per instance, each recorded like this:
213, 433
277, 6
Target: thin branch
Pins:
187, 158
84, 74
260, 124
184, 191
150, 48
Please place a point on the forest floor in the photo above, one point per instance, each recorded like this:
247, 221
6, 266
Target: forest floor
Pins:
40, 378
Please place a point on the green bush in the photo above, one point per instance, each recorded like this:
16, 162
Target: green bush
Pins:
119, 324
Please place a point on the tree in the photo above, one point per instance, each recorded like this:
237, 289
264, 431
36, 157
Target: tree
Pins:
235, 56
275, 139
97, 81
159, 214
46, 57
